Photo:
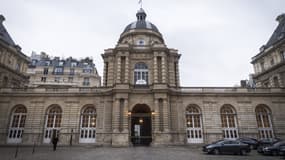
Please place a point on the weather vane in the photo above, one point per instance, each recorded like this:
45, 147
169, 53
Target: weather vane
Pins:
140, 2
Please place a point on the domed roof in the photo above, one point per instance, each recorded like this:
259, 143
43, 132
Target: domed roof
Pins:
141, 23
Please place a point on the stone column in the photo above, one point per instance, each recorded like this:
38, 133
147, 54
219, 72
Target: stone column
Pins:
127, 70
166, 115
118, 78
156, 116
163, 66
155, 74
105, 71
177, 73
125, 118
116, 116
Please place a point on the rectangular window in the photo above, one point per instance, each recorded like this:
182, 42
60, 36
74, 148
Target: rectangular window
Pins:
45, 71
73, 64
282, 55
86, 81
72, 71
17, 66
43, 79
60, 63
47, 63
87, 70
57, 79
262, 66
70, 79
272, 62
58, 70
34, 62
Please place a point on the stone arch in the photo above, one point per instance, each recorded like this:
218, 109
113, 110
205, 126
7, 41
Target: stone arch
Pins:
264, 121
141, 125
192, 106
17, 123
229, 121
53, 106
88, 118
193, 120
53, 118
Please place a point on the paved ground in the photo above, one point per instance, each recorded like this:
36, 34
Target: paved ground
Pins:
131, 153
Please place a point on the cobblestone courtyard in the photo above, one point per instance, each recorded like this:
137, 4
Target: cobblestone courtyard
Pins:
131, 153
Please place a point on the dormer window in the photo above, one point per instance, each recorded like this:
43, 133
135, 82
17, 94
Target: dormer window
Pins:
60, 63
47, 63
73, 64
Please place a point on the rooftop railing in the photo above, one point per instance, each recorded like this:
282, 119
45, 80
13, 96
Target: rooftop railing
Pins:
228, 90
180, 89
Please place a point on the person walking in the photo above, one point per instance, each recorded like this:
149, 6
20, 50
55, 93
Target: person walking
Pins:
54, 142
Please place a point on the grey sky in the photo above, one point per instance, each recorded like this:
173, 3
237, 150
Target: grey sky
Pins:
216, 38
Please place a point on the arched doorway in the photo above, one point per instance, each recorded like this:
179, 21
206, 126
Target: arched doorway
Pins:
141, 125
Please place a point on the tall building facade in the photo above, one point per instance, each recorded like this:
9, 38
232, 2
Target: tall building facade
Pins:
269, 64
141, 102
62, 73
13, 63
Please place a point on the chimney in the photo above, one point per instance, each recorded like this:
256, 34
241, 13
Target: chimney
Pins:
280, 18
2, 18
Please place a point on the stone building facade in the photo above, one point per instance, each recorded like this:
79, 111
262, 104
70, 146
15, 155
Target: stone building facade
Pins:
269, 64
141, 102
13, 63
62, 73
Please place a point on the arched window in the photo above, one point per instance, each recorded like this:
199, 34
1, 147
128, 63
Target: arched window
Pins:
194, 124
141, 74
88, 125
52, 124
17, 123
229, 122
263, 118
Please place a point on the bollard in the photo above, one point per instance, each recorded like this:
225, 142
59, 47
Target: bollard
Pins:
70, 143
17, 148
34, 146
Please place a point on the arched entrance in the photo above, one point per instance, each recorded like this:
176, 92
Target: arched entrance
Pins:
141, 125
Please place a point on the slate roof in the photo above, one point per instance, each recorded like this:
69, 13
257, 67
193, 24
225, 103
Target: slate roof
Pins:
279, 32
141, 23
4, 35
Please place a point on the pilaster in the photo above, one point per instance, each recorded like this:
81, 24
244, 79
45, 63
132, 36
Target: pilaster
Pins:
163, 65
155, 70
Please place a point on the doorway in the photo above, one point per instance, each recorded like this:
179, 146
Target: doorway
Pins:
141, 125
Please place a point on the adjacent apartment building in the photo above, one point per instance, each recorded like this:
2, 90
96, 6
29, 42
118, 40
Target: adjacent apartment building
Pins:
45, 71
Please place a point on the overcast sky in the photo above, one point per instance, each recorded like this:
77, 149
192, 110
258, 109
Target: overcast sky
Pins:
216, 38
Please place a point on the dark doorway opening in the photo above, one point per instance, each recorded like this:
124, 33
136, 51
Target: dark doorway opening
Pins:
141, 125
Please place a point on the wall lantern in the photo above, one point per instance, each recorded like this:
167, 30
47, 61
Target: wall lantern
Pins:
141, 120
